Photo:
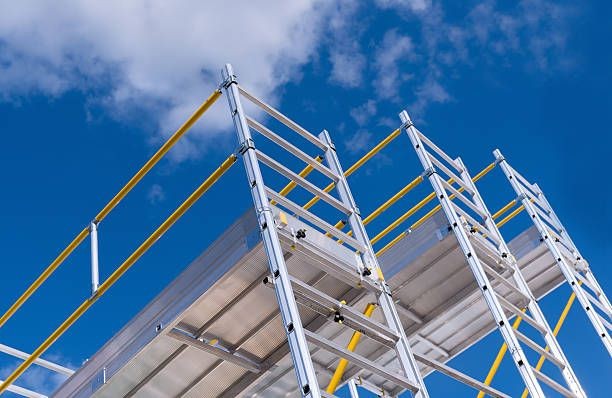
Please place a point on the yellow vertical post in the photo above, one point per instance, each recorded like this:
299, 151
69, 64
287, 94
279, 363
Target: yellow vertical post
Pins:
339, 372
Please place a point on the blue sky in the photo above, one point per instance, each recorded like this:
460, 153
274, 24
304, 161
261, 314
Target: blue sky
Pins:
88, 91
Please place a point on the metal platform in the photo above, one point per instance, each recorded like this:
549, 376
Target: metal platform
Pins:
216, 332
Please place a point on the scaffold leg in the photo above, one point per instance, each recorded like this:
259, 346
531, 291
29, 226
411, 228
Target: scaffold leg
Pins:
555, 237
485, 285
304, 369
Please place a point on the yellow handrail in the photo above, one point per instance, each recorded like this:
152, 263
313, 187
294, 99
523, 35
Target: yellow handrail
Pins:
341, 368
110, 206
120, 271
418, 207
409, 187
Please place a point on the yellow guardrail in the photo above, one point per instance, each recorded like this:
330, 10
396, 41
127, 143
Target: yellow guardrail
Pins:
120, 271
110, 206
342, 364
416, 208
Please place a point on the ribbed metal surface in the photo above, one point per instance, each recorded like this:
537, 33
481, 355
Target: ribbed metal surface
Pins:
222, 290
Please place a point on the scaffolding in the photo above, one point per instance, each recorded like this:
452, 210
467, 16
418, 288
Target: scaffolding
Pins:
319, 307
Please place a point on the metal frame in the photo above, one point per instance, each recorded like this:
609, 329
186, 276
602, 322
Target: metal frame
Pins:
462, 225
289, 291
576, 271
304, 369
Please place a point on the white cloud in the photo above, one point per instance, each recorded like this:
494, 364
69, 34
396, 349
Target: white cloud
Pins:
348, 62
152, 55
364, 112
156, 194
428, 92
359, 142
394, 49
413, 5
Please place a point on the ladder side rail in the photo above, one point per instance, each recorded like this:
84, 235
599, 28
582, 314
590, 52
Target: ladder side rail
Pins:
534, 309
403, 349
501, 321
296, 338
563, 265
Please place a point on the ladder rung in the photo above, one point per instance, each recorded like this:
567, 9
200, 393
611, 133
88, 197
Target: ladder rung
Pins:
539, 349
306, 294
595, 302
498, 277
330, 264
301, 181
359, 361
516, 311
272, 136
553, 384
605, 322
584, 280
316, 221
463, 378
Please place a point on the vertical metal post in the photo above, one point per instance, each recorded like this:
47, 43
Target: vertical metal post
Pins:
521, 283
95, 276
353, 389
565, 268
403, 349
300, 354
484, 284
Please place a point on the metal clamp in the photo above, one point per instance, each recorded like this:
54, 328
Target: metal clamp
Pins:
429, 172
246, 145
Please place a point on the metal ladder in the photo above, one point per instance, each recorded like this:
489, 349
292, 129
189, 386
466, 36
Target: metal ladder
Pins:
291, 291
493, 266
572, 264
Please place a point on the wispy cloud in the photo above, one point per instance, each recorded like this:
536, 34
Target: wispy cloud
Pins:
364, 112
345, 53
156, 194
359, 142
395, 50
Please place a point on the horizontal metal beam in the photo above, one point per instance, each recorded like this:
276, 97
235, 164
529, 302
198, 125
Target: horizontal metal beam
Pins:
359, 361
455, 374
439, 151
449, 173
289, 147
463, 199
41, 362
316, 221
534, 346
24, 392
216, 351
517, 311
304, 183
283, 119
330, 264
553, 384
353, 319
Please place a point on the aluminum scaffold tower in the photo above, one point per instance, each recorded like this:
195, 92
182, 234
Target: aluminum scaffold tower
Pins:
290, 291
465, 227
570, 261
